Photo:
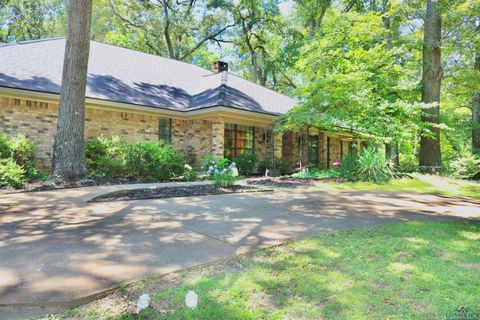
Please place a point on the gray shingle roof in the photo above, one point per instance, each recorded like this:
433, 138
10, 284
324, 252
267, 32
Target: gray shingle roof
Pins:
129, 76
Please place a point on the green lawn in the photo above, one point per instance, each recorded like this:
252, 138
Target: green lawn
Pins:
418, 183
400, 271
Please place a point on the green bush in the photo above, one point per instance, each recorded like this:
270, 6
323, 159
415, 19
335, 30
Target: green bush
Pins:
466, 166
369, 166
245, 163
408, 163
190, 173
17, 155
104, 156
223, 179
23, 153
315, 173
221, 171
282, 165
153, 161
211, 161
5, 150
11, 174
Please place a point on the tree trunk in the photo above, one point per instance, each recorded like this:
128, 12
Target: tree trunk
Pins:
166, 31
430, 153
476, 104
68, 149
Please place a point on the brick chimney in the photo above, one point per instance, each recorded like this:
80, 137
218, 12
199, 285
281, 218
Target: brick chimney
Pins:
220, 66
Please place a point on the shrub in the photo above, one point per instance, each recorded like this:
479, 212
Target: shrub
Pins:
23, 153
315, 173
210, 161
408, 163
466, 166
245, 163
348, 168
220, 171
223, 179
11, 174
190, 173
153, 161
104, 156
18, 160
282, 165
5, 150
369, 166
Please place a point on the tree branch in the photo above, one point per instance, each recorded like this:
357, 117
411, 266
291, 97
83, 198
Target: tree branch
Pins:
209, 37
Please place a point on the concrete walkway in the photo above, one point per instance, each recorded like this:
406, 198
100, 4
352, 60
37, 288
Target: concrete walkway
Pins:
56, 249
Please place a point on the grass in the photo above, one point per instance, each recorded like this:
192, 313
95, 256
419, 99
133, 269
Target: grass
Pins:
418, 184
399, 271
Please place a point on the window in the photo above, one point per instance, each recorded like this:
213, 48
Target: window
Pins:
313, 151
165, 130
238, 140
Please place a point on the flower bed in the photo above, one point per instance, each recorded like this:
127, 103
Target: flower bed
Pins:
170, 192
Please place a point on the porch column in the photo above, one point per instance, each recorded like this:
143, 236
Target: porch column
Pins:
278, 145
218, 133
322, 150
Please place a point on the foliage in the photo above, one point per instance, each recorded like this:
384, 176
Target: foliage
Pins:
143, 161
209, 163
153, 161
245, 163
220, 171
5, 150
104, 156
369, 166
223, 179
11, 173
283, 166
190, 173
408, 162
318, 174
18, 160
466, 165
23, 153
31, 20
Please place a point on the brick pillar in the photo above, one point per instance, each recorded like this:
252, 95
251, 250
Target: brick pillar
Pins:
218, 132
322, 149
278, 145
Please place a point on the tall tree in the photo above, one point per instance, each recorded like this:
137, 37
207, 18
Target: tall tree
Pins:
312, 12
30, 20
476, 98
430, 152
177, 29
68, 150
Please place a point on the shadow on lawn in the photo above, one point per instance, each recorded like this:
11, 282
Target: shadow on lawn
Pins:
408, 271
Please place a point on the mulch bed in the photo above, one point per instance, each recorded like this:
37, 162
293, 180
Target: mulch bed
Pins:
170, 192
290, 182
60, 184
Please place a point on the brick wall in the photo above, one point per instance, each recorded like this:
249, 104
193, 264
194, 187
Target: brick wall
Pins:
198, 140
291, 148
38, 121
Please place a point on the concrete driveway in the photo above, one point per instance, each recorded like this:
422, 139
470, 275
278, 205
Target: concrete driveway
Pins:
57, 249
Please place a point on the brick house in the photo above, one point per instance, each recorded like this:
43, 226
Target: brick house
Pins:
139, 96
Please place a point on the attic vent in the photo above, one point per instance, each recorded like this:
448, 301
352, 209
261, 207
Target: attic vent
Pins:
220, 66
